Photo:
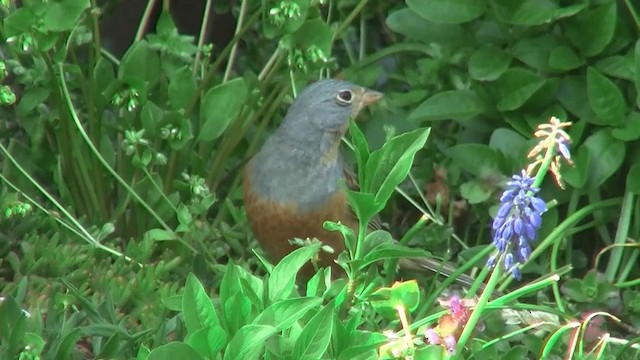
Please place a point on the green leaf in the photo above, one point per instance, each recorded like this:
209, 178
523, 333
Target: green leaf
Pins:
605, 99
391, 251
182, 87
606, 154
535, 51
360, 147
248, 343
64, 15
140, 62
508, 142
533, 12
174, 350
452, 104
591, 30
448, 11
220, 105
411, 25
618, 66
572, 94
31, 99
364, 206
386, 300
284, 273
488, 62
197, 308
229, 287
314, 33
475, 192
564, 58
284, 313
474, 158
633, 185
237, 312
630, 130
515, 87
314, 338
389, 166
207, 341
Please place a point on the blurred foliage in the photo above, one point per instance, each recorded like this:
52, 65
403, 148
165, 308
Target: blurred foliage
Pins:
123, 234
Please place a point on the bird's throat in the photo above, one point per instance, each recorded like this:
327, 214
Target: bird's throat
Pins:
330, 147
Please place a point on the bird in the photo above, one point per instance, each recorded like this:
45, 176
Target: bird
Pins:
292, 185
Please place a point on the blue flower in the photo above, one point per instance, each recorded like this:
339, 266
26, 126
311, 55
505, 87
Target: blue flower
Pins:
517, 222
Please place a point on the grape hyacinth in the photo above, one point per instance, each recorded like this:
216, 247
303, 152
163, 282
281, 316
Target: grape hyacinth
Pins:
517, 223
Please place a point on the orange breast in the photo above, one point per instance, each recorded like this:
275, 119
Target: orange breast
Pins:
275, 223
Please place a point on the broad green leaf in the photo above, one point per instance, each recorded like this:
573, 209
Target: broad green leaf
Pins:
389, 166
475, 192
271, 26
207, 341
248, 343
174, 350
533, 12
197, 308
633, 185
577, 174
515, 87
411, 25
63, 15
618, 66
591, 30
448, 11
630, 130
220, 105
605, 98
283, 276
535, 51
237, 312
30, 100
229, 287
140, 62
314, 338
474, 158
282, 314
488, 62
564, 58
386, 300
573, 96
363, 345
452, 104
182, 87
507, 141
606, 154
364, 206
314, 33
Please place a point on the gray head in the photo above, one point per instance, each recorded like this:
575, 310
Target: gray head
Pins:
325, 107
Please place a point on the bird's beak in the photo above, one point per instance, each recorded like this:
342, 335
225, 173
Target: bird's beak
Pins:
370, 96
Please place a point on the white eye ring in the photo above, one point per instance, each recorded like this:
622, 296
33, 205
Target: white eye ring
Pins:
344, 97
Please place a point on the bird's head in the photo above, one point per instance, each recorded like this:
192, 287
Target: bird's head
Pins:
326, 106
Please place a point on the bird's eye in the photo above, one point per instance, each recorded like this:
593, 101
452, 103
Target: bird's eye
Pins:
344, 97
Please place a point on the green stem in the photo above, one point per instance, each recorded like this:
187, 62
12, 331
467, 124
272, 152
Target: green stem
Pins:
203, 30
621, 236
234, 48
96, 152
144, 22
352, 15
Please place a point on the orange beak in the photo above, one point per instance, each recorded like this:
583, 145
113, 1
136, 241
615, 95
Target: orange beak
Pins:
370, 96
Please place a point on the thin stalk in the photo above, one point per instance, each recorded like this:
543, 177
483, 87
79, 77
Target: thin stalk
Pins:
144, 22
234, 48
203, 30
622, 233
